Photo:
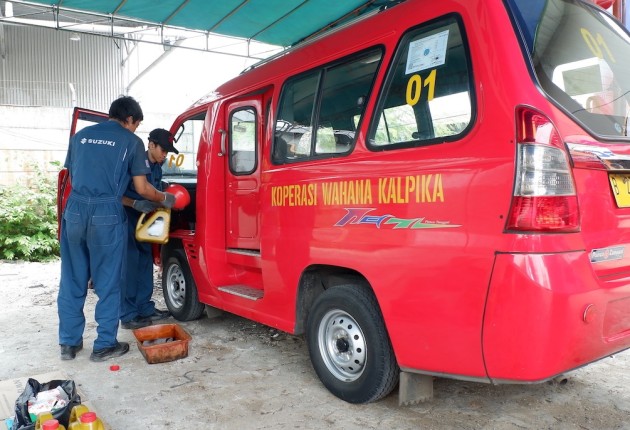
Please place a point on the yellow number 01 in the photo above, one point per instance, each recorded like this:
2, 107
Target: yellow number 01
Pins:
414, 88
594, 44
179, 160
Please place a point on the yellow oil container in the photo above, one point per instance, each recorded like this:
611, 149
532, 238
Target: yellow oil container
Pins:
154, 228
52, 425
42, 417
75, 417
89, 421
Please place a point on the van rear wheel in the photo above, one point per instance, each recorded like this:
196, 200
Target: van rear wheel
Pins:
179, 289
349, 346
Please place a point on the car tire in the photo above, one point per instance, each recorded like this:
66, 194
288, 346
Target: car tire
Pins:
349, 346
179, 289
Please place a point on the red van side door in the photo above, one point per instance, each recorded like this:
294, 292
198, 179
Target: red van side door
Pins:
243, 137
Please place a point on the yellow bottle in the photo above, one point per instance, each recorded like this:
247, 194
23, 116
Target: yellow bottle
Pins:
89, 421
154, 229
42, 417
75, 417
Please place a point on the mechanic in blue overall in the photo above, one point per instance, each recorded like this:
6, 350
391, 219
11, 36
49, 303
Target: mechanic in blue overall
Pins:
102, 159
137, 309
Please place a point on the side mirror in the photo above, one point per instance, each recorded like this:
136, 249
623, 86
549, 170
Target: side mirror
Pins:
179, 133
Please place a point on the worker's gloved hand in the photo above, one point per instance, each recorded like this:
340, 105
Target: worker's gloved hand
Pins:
169, 200
145, 206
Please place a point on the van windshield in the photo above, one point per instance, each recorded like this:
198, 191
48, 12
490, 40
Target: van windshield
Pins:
580, 58
187, 139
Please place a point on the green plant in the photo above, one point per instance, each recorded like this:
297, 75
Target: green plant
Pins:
28, 219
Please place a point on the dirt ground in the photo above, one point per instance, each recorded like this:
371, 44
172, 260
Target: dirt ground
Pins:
242, 375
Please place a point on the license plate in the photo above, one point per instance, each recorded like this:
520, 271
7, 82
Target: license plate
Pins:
620, 185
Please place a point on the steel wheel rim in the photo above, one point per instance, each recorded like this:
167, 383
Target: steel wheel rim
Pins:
342, 345
176, 286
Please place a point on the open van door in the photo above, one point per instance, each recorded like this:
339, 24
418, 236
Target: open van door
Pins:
81, 118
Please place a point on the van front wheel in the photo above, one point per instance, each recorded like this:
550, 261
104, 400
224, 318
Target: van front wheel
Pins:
349, 346
180, 291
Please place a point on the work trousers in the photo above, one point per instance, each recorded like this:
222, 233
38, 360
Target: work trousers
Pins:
138, 288
93, 245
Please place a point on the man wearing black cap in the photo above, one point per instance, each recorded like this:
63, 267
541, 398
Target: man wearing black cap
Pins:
137, 309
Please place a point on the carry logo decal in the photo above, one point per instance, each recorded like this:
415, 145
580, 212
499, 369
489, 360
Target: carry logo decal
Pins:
607, 254
363, 216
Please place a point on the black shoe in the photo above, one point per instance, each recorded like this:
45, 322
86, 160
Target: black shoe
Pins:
117, 350
137, 322
69, 352
158, 315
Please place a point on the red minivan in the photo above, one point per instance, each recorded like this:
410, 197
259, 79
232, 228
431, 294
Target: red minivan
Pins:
437, 189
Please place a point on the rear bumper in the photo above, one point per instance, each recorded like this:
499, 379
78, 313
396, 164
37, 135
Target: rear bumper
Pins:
547, 314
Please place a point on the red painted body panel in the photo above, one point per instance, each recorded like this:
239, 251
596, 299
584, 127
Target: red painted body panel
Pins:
472, 301
534, 322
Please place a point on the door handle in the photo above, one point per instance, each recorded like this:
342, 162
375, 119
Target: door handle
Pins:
223, 136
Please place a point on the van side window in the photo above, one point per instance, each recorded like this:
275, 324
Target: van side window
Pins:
320, 110
293, 125
427, 97
243, 138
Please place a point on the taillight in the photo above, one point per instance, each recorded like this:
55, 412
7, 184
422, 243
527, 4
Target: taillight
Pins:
544, 198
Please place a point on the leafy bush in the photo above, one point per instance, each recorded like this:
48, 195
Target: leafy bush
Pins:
28, 219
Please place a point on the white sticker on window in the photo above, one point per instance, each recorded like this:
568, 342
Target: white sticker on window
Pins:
427, 52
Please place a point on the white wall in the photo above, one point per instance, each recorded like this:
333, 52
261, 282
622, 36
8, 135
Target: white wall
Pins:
31, 135
40, 135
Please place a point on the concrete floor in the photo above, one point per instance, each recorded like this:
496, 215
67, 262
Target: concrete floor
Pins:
242, 375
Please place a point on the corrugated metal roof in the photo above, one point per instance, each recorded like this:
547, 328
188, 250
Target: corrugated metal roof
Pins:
42, 67
276, 22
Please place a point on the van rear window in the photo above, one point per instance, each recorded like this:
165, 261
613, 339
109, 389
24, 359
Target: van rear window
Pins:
580, 58
427, 97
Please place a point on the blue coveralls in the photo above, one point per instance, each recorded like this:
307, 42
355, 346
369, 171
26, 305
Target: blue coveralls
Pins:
101, 160
136, 301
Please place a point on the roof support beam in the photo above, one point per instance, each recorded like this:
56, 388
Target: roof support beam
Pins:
3, 46
232, 12
120, 5
151, 66
3, 49
282, 18
118, 28
355, 12
204, 17
175, 12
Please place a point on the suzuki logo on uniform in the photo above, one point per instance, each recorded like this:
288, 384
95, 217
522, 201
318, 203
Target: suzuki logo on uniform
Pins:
359, 216
99, 142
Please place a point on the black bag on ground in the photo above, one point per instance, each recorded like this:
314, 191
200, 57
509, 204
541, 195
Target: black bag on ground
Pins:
22, 419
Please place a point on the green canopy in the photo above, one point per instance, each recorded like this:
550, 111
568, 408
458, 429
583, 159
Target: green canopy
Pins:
276, 22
